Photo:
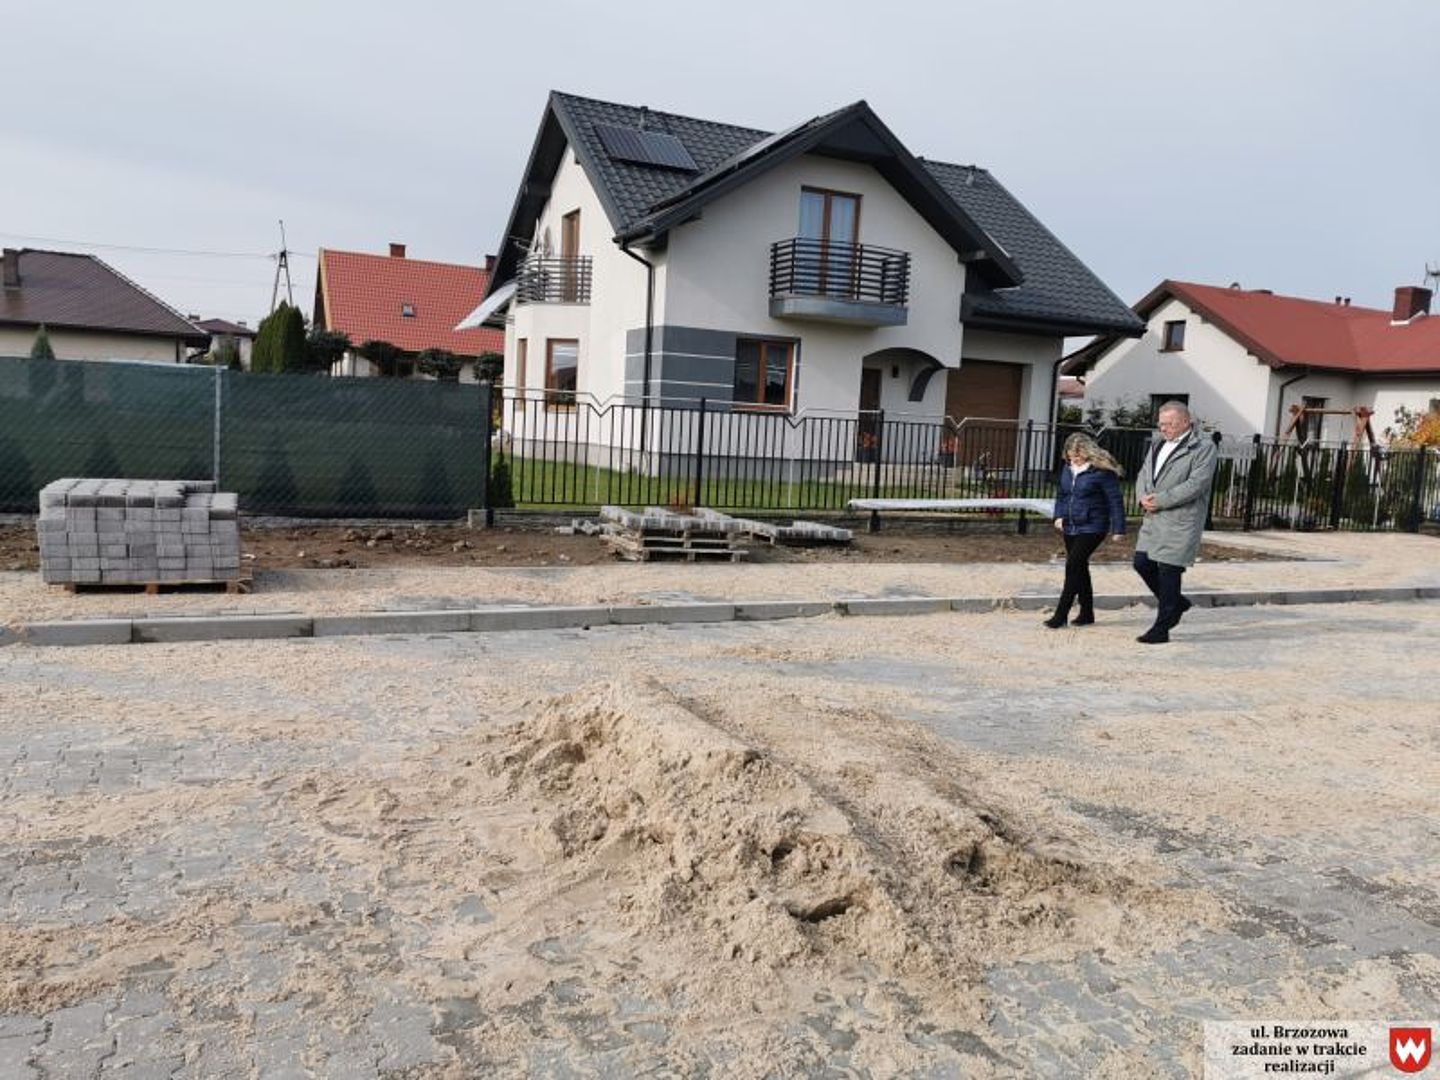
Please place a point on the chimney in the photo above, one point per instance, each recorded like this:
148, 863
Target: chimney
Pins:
12, 268
397, 251
1410, 301
489, 265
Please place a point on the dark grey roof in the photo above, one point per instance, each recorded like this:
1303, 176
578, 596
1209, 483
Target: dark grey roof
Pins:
629, 190
1058, 293
63, 289
225, 326
1058, 287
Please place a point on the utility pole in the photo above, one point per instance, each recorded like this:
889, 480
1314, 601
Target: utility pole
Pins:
282, 262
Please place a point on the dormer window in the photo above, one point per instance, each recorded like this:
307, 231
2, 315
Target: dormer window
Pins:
1174, 337
407, 311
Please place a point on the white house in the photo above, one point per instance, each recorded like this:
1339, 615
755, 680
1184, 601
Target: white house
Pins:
1241, 358
89, 309
660, 258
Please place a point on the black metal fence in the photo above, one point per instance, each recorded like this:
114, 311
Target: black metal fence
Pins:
583, 453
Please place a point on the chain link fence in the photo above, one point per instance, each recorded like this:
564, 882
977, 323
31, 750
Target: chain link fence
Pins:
289, 445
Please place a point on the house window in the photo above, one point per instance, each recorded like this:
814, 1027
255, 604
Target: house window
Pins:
1156, 400
764, 373
1314, 426
522, 354
827, 258
1174, 339
562, 366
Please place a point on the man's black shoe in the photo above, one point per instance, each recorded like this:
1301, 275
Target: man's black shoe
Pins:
1154, 636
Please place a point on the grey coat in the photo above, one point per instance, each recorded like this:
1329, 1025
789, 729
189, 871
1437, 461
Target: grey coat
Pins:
1171, 534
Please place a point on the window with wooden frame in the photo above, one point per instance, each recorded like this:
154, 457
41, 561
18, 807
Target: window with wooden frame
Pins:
522, 355
827, 259
562, 369
764, 373
1173, 339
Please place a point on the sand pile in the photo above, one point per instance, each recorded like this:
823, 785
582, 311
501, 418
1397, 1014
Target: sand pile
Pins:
705, 836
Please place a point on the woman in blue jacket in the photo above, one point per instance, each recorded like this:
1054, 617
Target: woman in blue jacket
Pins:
1088, 508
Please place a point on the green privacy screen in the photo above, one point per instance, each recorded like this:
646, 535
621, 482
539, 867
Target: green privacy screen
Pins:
293, 445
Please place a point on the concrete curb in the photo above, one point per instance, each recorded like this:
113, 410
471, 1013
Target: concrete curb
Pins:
495, 619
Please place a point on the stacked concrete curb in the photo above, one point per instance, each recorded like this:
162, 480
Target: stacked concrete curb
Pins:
500, 619
137, 532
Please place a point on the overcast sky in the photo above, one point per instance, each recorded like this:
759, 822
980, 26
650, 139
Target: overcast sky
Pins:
1288, 145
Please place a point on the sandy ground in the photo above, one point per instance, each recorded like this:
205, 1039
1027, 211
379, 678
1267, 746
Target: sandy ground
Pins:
1282, 560
955, 845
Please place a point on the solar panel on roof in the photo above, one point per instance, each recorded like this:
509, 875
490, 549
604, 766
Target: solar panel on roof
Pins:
645, 147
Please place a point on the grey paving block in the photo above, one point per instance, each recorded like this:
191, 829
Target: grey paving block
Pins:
77, 632
538, 618
221, 628
393, 622
1032, 603
1238, 598
904, 605
634, 614
973, 604
754, 610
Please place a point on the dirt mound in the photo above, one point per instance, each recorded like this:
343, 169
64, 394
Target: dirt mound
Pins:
704, 836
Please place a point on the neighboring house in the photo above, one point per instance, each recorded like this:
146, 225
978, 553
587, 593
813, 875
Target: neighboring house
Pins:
237, 334
413, 304
1241, 357
667, 259
90, 311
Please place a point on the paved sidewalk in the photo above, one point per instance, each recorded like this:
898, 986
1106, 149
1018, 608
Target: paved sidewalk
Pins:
203, 871
1299, 568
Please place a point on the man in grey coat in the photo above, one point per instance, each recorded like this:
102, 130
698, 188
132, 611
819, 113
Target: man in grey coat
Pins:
1173, 489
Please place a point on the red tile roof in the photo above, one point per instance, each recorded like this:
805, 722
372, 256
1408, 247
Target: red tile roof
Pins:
1289, 331
365, 296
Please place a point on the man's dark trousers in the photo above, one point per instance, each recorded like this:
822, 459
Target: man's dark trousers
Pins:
1162, 579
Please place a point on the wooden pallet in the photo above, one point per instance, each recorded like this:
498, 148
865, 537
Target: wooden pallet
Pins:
644, 549
232, 586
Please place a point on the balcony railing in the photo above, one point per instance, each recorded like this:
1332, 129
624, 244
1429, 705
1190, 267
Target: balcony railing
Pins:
863, 276
556, 280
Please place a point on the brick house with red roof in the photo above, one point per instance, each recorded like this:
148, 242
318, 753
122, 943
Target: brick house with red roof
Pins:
414, 304
1242, 357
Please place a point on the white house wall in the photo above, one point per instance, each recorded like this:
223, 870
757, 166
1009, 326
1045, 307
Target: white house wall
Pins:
1230, 390
718, 276
1385, 396
617, 296
85, 345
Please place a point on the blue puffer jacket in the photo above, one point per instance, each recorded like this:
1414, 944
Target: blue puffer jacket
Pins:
1091, 501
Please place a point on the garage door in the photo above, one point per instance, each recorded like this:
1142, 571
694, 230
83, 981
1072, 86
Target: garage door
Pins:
986, 397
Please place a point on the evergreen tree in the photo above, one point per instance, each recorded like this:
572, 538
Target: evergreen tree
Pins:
294, 351
42, 349
325, 348
439, 364
502, 491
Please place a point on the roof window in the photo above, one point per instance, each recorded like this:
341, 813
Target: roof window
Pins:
407, 311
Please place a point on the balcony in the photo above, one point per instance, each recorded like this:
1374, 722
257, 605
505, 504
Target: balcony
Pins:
858, 284
555, 280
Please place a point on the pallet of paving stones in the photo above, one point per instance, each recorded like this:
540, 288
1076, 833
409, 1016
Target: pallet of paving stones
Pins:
797, 533
657, 532
151, 534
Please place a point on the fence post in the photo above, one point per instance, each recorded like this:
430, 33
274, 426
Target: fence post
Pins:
699, 455
1417, 512
1217, 439
879, 457
1338, 477
1022, 525
219, 376
1250, 478
486, 436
